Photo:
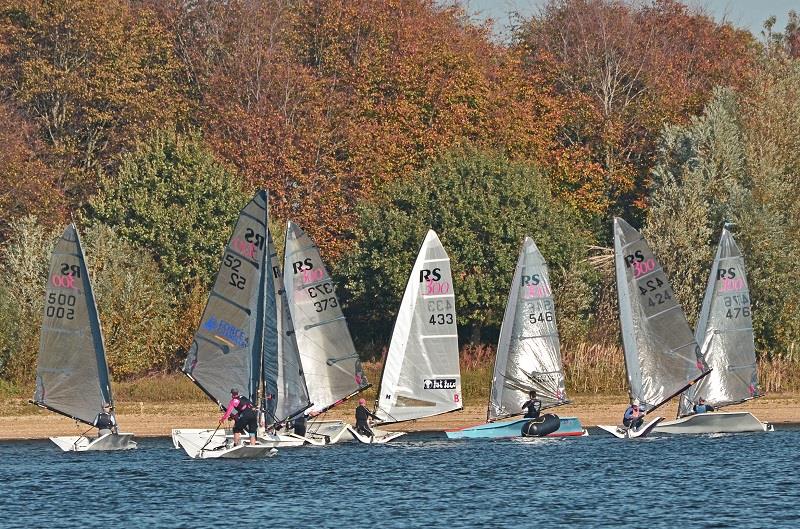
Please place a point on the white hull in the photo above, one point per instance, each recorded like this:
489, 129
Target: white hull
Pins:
381, 436
621, 432
199, 437
714, 422
244, 451
107, 442
327, 432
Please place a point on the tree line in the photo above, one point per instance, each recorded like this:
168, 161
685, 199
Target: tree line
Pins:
151, 122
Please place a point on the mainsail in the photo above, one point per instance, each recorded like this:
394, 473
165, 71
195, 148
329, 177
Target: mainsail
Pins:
329, 359
661, 354
227, 347
528, 353
290, 396
72, 375
725, 331
421, 375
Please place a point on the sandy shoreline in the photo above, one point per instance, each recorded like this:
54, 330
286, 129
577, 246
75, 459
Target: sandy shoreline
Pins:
157, 419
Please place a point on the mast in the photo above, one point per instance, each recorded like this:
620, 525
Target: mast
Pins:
421, 376
725, 331
329, 360
72, 375
661, 354
228, 345
528, 351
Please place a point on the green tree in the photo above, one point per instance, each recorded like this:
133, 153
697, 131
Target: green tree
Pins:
700, 181
135, 303
26, 258
481, 205
172, 197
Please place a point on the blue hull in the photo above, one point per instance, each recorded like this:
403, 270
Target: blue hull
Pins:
570, 427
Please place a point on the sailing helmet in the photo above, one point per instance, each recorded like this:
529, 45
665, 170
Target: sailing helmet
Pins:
362, 402
234, 391
635, 402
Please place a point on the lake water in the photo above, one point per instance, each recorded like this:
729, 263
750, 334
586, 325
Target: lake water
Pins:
745, 480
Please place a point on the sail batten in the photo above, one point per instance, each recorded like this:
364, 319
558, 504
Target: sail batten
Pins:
421, 375
320, 326
227, 349
528, 351
72, 373
725, 328
661, 354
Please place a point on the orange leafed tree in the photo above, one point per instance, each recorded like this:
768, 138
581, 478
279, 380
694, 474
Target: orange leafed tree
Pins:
323, 101
622, 71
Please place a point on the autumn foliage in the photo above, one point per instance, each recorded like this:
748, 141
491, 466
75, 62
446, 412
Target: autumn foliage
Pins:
155, 119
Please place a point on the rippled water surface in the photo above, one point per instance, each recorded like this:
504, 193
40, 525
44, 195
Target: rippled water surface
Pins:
746, 480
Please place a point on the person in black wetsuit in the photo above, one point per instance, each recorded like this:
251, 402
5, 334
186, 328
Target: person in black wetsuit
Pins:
105, 421
533, 406
362, 419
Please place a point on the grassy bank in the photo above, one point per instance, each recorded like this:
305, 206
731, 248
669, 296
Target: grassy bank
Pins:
590, 369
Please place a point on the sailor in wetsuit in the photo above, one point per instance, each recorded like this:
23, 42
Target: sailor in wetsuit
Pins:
242, 412
533, 406
702, 407
105, 421
633, 417
362, 419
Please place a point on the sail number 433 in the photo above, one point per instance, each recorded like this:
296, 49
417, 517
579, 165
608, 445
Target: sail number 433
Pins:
441, 311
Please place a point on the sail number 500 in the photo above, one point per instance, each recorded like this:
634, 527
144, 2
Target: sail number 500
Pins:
60, 306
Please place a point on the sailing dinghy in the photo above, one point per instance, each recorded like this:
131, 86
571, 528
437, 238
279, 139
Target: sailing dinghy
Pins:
528, 356
421, 373
229, 344
330, 364
72, 373
662, 358
725, 330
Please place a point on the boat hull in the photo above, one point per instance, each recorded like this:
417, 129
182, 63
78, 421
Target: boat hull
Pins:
244, 451
380, 437
569, 427
714, 422
199, 437
621, 432
327, 432
108, 442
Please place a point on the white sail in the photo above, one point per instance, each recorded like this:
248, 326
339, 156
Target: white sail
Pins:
330, 362
661, 355
725, 333
421, 376
528, 352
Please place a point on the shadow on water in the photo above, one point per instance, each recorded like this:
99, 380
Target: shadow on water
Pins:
419, 480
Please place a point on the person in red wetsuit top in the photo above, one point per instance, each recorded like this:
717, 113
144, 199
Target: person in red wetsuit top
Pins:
241, 411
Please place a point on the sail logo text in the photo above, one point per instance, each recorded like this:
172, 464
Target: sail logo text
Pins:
439, 383
63, 281
226, 331
430, 275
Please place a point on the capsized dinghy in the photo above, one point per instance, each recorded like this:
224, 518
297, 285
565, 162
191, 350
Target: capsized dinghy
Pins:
662, 358
421, 374
725, 329
72, 373
528, 357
